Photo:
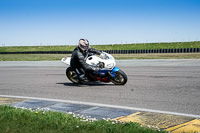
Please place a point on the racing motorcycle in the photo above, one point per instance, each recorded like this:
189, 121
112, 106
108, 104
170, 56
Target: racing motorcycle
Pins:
107, 72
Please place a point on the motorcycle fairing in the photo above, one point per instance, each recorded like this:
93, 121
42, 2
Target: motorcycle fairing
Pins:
102, 72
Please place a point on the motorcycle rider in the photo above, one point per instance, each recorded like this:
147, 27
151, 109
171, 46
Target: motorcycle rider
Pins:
79, 56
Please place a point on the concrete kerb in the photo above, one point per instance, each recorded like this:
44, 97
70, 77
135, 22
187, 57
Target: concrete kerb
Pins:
169, 122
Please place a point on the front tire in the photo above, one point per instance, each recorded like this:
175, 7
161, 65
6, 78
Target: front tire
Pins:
72, 76
119, 79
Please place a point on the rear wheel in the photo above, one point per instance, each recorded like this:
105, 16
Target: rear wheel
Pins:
72, 76
120, 78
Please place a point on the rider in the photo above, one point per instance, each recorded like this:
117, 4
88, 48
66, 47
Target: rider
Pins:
79, 56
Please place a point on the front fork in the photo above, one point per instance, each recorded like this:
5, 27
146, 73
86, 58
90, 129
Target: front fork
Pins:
112, 73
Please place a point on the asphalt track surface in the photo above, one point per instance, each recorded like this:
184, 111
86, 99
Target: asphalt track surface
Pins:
164, 85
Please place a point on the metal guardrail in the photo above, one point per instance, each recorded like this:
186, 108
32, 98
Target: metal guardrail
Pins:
181, 50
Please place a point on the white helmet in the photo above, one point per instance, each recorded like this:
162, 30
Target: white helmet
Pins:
83, 45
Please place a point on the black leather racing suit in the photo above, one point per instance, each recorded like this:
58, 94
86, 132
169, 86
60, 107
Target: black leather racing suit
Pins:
78, 61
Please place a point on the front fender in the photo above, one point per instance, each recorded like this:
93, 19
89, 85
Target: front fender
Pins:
115, 69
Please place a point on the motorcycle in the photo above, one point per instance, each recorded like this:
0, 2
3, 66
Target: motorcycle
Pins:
107, 73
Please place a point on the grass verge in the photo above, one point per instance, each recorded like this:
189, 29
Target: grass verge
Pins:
32, 57
138, 46
159, 56
14, 120
48, 57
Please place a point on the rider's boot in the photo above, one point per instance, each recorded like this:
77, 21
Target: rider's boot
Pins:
81, 75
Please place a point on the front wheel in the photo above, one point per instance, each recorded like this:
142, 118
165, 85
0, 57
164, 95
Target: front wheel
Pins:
72, 76
119, 79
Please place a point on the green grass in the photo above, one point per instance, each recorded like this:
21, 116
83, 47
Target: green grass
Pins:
105, 47
42, 57
14, 120
36, 48
32, 57
50, 57
159, 56
142, 46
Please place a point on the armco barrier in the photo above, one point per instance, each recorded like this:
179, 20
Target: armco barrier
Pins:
182, 50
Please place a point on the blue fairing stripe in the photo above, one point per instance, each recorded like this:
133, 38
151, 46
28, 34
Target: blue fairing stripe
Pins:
102, 72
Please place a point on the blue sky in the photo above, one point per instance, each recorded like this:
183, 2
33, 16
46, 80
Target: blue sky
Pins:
64, 22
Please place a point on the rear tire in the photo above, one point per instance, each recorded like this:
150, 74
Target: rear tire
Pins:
119, 79
72, 76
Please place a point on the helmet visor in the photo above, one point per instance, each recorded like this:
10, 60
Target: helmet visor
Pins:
84, 47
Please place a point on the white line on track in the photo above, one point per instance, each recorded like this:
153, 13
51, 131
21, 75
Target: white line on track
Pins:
104, 105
